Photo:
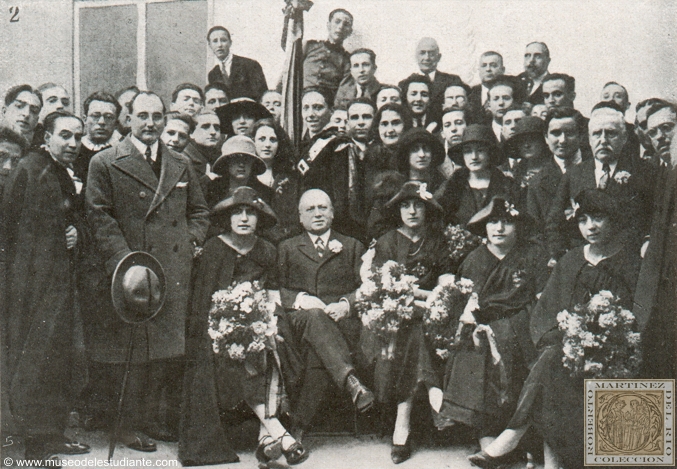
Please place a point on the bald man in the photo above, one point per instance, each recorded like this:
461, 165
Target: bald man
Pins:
427, 57
319, 275
612, 170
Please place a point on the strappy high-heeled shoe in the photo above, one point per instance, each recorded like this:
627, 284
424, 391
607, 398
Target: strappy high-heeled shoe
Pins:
296, 453
268, 451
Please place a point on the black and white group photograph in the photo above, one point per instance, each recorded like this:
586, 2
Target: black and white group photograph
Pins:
338, 234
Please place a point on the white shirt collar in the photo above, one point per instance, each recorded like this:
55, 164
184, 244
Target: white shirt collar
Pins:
142, 147
226, 63
599, 169
361, 145
485, 95
497, 128
578, 157
431, 75
324, 237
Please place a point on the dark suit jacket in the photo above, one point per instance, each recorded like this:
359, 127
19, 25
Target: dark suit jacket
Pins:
348, 90
541, 192
129, 209
635, 198
475, 96
536, 97
330, 278
246, 79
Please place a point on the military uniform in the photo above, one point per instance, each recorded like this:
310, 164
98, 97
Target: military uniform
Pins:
325, 65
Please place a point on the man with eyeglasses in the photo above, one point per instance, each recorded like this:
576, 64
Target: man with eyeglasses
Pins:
646, 150
661, 119
101, 114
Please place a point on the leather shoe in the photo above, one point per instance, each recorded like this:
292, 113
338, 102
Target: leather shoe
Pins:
362, 397
268, 450
138, 442
67, 447
295, 454
400, 453
486, 461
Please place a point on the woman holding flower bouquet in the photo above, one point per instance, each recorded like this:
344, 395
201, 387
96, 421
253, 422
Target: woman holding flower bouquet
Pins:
232, 353
405, 364
488, 362
602, 273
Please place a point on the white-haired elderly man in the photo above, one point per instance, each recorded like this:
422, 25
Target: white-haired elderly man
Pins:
319, 275
611, 169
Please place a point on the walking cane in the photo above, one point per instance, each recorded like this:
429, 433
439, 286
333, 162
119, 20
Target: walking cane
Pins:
138, 292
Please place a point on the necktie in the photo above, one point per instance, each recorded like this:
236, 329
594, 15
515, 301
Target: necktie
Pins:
149, 156
604, 180
319, 246
154, 165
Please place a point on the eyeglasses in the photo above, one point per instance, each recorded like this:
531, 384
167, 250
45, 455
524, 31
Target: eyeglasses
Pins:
107, 118
665, 129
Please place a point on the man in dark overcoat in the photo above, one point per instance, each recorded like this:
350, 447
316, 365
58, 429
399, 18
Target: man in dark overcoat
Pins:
42, 229
142, 196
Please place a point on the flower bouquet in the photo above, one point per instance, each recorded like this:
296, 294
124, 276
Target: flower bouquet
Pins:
460, 243
599, 340
242, 321
384, 301
449, 296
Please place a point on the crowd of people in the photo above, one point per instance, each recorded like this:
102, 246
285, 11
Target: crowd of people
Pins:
215, 191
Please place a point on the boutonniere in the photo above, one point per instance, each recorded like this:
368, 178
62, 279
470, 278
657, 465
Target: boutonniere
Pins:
280, 185
570, 212
518, 278
335, 246
423, 192
622, 177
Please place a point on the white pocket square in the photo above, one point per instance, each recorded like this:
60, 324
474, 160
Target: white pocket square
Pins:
179, 185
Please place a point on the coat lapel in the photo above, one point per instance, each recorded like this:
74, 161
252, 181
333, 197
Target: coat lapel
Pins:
131, 162
306, 247
172, 170
327, 253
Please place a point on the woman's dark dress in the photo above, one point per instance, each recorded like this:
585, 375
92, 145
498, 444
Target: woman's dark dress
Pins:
396, 380
460, 202
213, 383
551, 400
477, 392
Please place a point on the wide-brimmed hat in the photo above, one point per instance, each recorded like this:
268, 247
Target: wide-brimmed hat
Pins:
238, 145
237, 107
527, 126
419, 135
499, 207
415, 190
476, 133
139, 287
249, 197
597, 202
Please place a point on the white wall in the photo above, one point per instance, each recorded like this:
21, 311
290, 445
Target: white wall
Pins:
629, 41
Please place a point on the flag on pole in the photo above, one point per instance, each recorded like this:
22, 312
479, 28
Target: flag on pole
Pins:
292, 77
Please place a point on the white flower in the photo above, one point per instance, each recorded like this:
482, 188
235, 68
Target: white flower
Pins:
571, 212
588, 339
368, 288
465, 285
236, 352
372, 316
247, 305
601, 302
626, 316
256, 346
335, 246
592, 367
423, 192
633, 338
226, 327
271, 327
259, 327
510, 208
608, 320
389, 304
442, 353
622, 177
219, 296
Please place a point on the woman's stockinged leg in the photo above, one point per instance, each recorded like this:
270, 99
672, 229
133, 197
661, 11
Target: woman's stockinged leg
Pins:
402, 423
274, 428
506, 441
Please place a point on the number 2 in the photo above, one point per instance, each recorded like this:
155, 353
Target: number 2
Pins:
14, 11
